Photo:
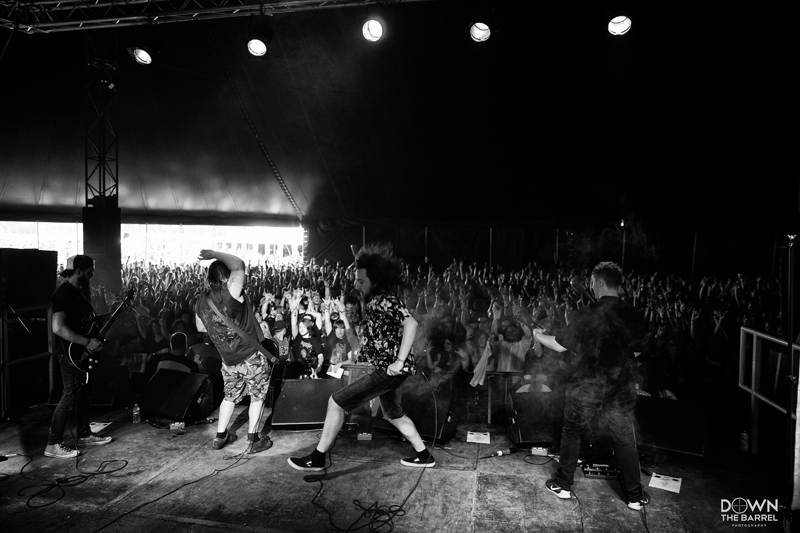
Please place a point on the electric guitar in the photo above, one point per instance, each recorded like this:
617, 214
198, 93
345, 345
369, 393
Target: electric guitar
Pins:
79, 356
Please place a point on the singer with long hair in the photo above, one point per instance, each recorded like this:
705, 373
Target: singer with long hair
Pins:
386, 342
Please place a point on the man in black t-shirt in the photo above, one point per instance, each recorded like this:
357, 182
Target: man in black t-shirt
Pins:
73, 314
599, 345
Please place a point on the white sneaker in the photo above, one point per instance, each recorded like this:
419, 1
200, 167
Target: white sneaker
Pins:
60, 451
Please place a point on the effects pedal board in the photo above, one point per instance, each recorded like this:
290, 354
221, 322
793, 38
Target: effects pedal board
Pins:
600, 471
536, 450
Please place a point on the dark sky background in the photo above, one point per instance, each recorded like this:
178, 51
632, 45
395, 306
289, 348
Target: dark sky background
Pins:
689, 119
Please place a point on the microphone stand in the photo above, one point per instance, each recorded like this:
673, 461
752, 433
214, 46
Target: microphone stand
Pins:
15, 313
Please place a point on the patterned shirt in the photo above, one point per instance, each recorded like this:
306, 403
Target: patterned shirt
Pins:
383, 332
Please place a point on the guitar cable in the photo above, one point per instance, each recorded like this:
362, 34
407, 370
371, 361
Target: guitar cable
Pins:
379, 517
238, 458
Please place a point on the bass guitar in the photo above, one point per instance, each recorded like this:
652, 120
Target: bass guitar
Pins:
79, 356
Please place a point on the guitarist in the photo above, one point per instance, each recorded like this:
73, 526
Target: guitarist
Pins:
73, 313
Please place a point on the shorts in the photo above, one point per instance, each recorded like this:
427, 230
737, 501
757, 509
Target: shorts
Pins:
376, 384
252, 373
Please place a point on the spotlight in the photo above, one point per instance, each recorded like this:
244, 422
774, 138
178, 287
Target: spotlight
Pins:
141, 54
256, 47
260, 36
372, 30
480, 32
619, 25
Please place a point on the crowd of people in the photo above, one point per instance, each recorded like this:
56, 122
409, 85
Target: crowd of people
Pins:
466, 313
629, 334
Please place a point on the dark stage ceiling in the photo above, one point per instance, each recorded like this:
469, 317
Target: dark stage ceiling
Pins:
686, 118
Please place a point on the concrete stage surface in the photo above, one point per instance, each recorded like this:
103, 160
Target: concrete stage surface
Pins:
163, 480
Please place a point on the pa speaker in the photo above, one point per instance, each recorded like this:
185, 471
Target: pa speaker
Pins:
434, 421
534, 418
672, 425
27, 277
303, 402
111, 386
177, 395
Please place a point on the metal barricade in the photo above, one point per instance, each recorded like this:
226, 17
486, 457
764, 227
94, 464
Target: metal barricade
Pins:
753, 358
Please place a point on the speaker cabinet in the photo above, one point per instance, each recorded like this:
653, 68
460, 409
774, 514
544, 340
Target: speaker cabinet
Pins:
177, 395
112, 386
28, 277
434, 421
672, 425
534, 418
303, 402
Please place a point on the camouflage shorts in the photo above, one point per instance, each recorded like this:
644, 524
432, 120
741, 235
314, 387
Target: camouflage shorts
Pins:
251, 374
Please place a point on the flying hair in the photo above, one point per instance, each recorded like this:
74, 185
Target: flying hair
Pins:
383, 269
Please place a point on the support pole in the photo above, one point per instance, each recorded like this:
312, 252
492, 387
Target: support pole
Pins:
490, 247
426, 244
791, 403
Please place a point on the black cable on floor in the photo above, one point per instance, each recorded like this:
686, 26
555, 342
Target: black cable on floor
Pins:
239, 457
381, 519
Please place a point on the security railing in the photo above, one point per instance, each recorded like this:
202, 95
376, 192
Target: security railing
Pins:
763, 373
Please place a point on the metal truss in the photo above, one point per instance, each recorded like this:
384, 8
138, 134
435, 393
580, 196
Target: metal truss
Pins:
48, 16
101, 147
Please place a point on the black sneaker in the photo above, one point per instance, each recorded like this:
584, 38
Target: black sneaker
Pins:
638, 505
416, 462
553, 486
93, 439
220, 443
264, 443
305, 464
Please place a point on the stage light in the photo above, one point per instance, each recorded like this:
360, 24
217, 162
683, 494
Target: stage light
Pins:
141, 54
619, 25
480, 32
256, 47
372, 30
260, 36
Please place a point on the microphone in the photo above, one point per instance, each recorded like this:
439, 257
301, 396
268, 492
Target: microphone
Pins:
576, 284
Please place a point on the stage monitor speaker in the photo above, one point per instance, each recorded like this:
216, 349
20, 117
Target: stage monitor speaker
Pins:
534, 418
111, 386
176, 395
303, 402
672, 425
27, 277
432, 424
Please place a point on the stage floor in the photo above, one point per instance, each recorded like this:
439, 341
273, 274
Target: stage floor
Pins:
161, 480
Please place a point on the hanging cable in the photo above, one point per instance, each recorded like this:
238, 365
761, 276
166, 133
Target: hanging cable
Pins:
253, 129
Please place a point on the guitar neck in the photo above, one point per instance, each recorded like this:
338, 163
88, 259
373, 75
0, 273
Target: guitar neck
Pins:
113, 317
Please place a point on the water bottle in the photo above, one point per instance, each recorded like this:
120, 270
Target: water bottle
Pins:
137, 414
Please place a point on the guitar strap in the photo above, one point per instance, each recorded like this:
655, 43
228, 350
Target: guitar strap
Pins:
256, 344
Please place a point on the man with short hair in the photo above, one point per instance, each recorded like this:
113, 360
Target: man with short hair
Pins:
243, 365
599, 343
177, 359
72, 314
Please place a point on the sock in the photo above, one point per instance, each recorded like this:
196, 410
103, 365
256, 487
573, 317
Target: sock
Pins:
423, 455
222, 435
253, 437
317, 457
